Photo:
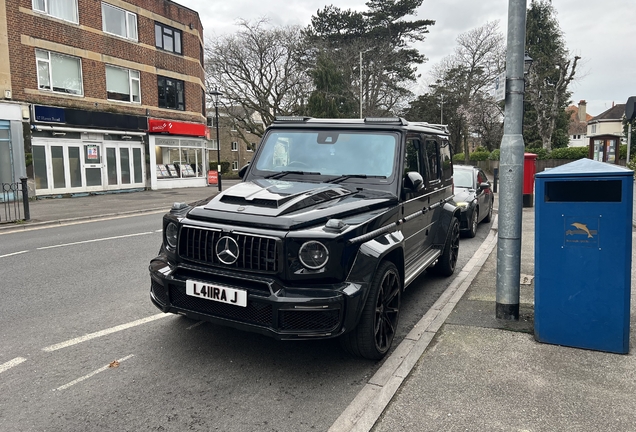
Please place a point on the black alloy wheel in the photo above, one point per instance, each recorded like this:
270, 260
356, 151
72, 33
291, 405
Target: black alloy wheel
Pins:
373, 336
448, 259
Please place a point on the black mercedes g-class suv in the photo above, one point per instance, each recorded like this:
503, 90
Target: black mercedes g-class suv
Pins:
333, 219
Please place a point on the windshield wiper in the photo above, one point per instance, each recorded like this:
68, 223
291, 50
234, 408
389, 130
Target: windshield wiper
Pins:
348, 176
284, 173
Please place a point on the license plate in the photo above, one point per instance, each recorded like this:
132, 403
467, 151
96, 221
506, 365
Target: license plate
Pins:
217, 293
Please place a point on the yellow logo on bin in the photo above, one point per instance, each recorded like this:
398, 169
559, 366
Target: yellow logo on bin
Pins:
581, 227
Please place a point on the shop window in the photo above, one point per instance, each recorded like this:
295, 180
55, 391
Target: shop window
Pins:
171, 93
119, 22
122, 84
179, 158
63, 9
168, 38
235, 166
234, 146
59, 73
39, 167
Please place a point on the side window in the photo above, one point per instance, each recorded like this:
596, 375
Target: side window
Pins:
447, 164
481, 177
412, 157
432, 160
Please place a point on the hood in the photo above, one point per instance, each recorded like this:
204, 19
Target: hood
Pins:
288, 204
464, 194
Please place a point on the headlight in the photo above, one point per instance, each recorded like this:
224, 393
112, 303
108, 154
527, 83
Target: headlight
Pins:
171, 234
313, 255
461, 204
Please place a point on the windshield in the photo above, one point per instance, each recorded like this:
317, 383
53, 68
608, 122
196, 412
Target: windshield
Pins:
463, 178
331, 153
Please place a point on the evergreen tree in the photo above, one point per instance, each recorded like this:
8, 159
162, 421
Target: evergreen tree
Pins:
380, 36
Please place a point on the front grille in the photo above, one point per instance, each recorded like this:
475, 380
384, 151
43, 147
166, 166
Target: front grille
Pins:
159, 292
255, 253
254, 313
324, 320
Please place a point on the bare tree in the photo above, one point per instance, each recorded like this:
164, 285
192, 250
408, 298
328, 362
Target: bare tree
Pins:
465, 78
258, 71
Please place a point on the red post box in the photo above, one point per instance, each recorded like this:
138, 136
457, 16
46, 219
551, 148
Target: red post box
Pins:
529, 170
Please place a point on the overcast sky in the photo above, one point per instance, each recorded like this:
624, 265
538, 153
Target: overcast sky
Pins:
602, 33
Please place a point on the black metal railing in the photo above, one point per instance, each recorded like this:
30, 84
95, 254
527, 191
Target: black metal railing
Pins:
14, 201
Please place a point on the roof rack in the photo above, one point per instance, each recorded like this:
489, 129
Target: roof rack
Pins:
291, 119
442, 127
386, 120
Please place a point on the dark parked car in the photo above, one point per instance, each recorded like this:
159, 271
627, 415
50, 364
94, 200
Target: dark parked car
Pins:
473, 196
333, 219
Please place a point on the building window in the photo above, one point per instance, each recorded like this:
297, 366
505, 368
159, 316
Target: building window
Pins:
59, 73
212, 145
119, 22
234, 146
593, 128
122, 84
250, 147
235, 166
168, 38
62, 9
171, 93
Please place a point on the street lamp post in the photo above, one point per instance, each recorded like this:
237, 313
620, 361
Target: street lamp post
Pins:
215, 95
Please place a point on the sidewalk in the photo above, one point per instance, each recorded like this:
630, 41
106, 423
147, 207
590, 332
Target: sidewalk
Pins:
49, 211
481, 374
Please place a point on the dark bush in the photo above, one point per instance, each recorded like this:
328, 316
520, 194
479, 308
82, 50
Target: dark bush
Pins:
539, 151
572, 153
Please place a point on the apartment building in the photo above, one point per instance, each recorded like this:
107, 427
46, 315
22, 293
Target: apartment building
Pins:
113, 92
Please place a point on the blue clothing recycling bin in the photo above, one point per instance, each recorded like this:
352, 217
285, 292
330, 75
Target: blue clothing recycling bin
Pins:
583, 255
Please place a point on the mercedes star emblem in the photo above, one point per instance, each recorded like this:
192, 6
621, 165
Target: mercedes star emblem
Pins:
227, 250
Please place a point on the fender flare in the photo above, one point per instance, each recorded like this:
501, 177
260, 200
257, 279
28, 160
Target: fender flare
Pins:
368, 258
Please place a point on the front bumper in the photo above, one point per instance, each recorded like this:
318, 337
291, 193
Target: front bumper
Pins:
273, 309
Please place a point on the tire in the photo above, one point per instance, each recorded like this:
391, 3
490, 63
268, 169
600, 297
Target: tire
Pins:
373, 336
472, 224
448, 260
488, 217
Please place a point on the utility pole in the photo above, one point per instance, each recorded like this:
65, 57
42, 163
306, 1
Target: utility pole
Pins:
360, 84
511, 169
441, 111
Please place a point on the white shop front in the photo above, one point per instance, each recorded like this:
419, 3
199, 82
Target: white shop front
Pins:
178, 154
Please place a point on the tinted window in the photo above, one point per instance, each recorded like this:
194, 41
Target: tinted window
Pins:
432, 160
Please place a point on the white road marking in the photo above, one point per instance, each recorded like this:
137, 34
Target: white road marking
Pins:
8, 365
101, 333
14, 253
195, 325
61, 223
95, 240
95, 372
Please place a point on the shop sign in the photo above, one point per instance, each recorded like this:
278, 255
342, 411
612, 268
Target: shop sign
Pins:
49, 114
213, 177
176, 128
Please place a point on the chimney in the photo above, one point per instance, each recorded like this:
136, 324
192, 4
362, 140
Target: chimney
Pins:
582, 111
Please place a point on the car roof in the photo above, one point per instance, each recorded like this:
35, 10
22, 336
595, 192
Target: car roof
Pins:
366, 123
466, 167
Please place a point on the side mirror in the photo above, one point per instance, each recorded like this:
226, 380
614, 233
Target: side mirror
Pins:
413, 181
484, 185
243, 170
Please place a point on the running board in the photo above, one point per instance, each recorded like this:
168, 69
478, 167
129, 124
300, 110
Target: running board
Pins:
421, 265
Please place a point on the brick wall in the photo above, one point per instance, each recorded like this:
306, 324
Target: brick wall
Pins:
29, 30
